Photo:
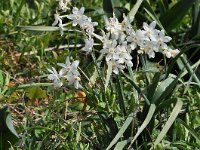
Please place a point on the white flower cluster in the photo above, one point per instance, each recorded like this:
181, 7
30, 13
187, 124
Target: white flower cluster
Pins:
85, 24
150, 40
115, 46
121, 39
69, 73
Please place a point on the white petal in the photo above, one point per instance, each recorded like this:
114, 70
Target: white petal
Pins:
153, 24
75, 64
51, 77
145, 26
50, 70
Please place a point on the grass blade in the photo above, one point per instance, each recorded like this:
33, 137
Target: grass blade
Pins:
121, 131
169, 122
135, 9
120, 145
108, 75
152, 88
165, 89
145, 123
121, 95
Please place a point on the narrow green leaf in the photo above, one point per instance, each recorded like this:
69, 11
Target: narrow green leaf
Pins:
1, 81
10, 125
165, 104
78, 135
121, 95
121, 131
180, 9
135, 9
12, 3
169, 122
24, 86
108, 75
6, 83
152, 88
93, 78
39, 28
145, 123
165, 89
120, 145
95, 74
45, 28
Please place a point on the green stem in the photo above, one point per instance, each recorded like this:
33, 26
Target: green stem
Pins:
34, 84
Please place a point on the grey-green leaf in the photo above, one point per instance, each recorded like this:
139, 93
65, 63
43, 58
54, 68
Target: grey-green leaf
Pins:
170, 121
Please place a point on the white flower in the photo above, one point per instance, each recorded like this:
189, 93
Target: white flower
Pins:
136, 38
116, 67
68, 67
78, 16
124, 56
126, 24
109, 49
63, 4
83, 21
74, 80
55, 76
88, 25
70, 72
58, 20
74, 68
113, 25
175, 52
88, 45
162, 40
170, 53
65, 67
148, 48
150, 30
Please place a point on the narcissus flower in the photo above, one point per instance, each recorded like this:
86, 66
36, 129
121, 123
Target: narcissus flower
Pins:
78, 16
55, 77
88, 45
69, 73
64, 4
